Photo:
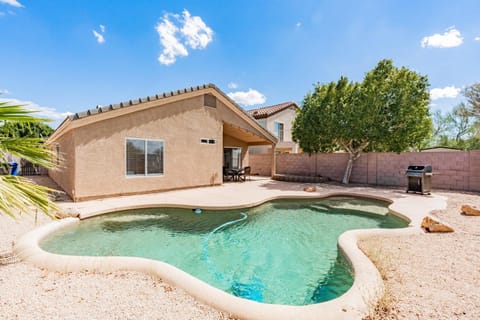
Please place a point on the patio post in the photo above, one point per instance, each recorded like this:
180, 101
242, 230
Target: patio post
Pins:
274, 161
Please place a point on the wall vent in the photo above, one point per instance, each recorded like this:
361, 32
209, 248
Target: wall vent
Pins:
209, 101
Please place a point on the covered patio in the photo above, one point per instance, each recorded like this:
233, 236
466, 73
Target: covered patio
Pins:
236, 141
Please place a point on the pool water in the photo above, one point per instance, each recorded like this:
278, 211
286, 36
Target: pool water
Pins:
282, 252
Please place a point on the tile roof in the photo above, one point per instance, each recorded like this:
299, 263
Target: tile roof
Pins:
102, 109
265, 112
129, 103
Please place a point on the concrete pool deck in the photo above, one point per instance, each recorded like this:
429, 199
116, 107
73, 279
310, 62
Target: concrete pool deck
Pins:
352, 305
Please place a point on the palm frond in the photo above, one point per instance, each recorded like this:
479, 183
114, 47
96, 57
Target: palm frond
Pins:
31, 149
10, 112
19, 195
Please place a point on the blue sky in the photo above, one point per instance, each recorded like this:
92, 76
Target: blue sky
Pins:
69, 56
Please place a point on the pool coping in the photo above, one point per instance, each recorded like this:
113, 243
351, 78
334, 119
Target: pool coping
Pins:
367, 287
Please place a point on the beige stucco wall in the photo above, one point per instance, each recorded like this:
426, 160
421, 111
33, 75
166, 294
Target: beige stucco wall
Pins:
100, 150
64, 173
96, 152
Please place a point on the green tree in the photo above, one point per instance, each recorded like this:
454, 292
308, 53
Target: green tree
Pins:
456, 129
18, 194
26, 130
441, 125
462, 122
387, 111
472, 93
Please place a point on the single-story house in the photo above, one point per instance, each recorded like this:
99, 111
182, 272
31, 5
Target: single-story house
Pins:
174, 140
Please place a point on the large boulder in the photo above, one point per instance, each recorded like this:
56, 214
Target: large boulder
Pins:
430, 225
470, 210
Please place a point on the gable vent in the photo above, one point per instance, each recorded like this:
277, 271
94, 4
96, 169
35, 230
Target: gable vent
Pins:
209, 101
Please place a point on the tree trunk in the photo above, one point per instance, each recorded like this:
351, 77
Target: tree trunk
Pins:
348, 171
354, 154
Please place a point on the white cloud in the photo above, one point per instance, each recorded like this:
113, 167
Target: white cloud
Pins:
197, 34
179, 32
13, 3
232, 85
247, 98
4, 91
299, 24
171, 46
477, 38
451, 38
98, 36
42, 112
447, 92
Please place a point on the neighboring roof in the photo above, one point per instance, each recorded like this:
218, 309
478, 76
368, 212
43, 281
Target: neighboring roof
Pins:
266, 112
70, 122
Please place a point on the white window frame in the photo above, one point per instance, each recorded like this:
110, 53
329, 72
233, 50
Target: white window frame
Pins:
145, 175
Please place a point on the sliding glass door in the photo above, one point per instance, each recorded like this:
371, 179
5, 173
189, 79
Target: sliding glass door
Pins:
232, 158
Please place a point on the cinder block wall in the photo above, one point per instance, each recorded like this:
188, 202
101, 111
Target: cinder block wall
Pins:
262, 164
452, 170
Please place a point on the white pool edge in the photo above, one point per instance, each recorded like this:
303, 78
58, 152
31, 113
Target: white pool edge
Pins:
354, 304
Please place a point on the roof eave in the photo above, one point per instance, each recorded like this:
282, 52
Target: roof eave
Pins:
251, 120
86, 117
61, 129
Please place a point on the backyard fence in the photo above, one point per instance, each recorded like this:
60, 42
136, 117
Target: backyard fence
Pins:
29, 169
458, 170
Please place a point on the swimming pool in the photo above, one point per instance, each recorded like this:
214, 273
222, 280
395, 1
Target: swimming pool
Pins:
282, 252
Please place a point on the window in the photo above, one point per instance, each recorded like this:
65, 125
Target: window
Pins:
279, 131
208, 141
144, 157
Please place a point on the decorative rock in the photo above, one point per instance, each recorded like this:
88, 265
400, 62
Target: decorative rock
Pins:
8, 258
470, 210
430, 225
67, 213
309, 189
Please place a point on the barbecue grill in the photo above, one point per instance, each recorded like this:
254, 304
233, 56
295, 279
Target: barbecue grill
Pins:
419, 179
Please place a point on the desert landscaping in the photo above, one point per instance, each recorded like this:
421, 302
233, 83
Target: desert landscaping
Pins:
427, 276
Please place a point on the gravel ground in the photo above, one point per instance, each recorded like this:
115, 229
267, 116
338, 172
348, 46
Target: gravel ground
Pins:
429, 276
27, 292
31, 293
433, 276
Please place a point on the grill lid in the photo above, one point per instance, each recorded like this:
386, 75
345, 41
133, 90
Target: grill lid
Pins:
426, 168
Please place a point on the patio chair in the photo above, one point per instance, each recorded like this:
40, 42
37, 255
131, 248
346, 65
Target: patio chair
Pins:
228, 175
242, 175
